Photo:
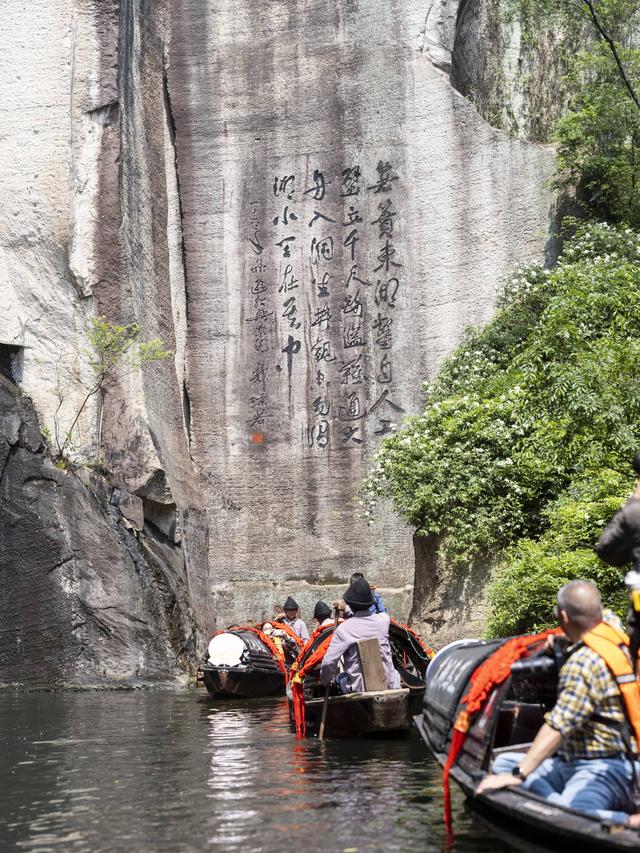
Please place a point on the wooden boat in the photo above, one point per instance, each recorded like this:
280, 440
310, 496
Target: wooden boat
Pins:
506, 717
357, 714
375, 711
246, 662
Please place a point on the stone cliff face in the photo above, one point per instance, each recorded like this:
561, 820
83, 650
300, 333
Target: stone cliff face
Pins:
506, 57
509, 61
91, 594
296, 200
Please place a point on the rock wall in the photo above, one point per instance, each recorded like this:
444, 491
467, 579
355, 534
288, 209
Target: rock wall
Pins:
448, 604
91, 596
510, 61
296, 200
345, 215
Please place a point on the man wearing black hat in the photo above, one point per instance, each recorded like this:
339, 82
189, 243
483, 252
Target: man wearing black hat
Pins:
363, 625
322, 613
292, 619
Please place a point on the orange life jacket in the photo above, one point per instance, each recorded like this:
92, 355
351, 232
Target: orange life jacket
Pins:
610, 644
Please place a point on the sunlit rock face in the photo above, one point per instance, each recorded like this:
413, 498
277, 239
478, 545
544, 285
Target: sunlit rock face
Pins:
297, 201
512, 64
346, 214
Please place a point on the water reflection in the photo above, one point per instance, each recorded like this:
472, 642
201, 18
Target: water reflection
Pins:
177, 772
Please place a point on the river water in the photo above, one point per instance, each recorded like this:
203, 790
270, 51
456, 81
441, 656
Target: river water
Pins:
175, 771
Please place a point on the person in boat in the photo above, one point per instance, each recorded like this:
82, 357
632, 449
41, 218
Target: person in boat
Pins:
619, 545
363, 625
582, 757
292, 618
378, 604
322, 614
620, 540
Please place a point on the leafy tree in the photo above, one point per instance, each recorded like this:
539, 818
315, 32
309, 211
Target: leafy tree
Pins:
599, 137
524, 589
540, 403
111, 347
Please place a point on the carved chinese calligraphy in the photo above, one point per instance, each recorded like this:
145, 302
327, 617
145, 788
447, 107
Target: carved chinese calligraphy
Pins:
327, 281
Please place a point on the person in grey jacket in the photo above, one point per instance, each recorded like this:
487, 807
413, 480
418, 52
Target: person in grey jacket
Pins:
619, 545
620, 540
363, 625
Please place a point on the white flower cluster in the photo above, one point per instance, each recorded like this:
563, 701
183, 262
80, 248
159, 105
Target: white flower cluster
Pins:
601, 243
524, 279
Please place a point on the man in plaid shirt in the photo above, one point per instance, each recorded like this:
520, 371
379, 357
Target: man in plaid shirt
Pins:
580, 756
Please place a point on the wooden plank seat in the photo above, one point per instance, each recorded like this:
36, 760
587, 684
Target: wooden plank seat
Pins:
358, 697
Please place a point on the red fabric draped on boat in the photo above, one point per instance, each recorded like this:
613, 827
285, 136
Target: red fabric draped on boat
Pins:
297, 677
282, 626
491, 672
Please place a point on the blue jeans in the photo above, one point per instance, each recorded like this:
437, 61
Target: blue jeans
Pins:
601, 787
342, 682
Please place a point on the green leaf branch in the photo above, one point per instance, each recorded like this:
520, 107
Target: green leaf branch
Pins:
111, 347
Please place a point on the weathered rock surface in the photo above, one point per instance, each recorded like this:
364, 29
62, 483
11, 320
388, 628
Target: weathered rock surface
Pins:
308, 97
84, 601
447, 604
296, 200
511, 63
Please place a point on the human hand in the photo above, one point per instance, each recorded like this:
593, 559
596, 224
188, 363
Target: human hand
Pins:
556, 644
495, 781
339, 605
634, 821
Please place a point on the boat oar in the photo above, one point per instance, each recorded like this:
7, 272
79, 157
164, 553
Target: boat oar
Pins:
325, 704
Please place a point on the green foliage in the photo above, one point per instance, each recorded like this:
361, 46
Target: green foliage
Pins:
111, 347
599, 137
596, 44
112, 344
528, 420
524, 590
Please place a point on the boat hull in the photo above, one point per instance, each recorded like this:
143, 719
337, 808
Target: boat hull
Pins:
385, 712
236, 683
505, 724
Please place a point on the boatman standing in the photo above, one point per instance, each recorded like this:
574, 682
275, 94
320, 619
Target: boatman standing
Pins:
292, 619
363, 625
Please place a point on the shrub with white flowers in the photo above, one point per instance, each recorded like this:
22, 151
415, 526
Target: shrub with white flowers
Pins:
523, 449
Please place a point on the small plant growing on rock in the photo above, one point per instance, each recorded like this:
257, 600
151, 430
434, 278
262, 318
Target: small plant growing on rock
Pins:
111, 347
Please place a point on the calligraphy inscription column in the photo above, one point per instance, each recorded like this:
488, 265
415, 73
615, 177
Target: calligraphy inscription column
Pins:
372, 291
260, 409
326, 279
387, 271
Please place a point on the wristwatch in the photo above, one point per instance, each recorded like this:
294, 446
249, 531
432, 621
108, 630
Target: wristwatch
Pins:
517, 772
